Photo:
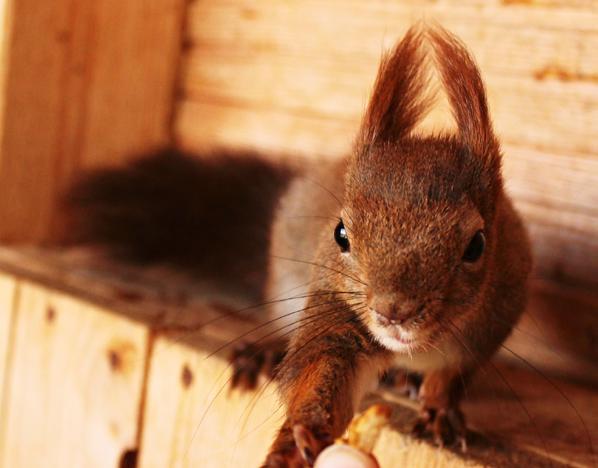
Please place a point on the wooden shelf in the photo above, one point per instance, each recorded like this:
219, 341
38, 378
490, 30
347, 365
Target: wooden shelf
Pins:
100, 360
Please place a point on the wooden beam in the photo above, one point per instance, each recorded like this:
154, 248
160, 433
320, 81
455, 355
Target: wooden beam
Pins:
88, 362
8, 296
84, 84
537, 60
74, 391
193, 419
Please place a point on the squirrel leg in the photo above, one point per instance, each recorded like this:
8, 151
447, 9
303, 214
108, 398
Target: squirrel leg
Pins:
405, 382
320, 384
440, 415
251, 361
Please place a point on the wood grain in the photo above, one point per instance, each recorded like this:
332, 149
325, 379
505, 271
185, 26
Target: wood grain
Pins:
89, 362
516, 418
8, 292
538, 62
192, 419
85, 84
73, 395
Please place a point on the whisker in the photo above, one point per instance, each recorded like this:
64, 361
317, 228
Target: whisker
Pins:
549, 347
357, 315
326, 189
506, 382
317, 318
560, 391
190, 330
331, 218
320, 266
269, 322
313, 318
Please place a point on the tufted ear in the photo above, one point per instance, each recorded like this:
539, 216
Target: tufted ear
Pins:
397, 102
466, 93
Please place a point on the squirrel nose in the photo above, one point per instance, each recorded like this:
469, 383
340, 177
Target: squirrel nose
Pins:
393, 309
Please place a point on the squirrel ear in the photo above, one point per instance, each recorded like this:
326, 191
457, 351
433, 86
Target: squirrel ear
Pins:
396, 103
466, 93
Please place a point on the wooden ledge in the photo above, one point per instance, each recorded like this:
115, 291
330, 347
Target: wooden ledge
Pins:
109, 351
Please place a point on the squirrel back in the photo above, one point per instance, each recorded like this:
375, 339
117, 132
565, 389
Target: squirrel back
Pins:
208, 215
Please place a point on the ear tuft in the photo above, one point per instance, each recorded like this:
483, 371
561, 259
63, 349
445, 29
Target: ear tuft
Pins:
397, 102
465, 90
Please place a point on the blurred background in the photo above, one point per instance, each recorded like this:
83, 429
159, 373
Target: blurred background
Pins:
92, 84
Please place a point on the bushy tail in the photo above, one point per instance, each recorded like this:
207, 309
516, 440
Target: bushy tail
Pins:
206, 216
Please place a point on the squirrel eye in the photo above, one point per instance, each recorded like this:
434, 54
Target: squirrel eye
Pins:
475, 249
340, 236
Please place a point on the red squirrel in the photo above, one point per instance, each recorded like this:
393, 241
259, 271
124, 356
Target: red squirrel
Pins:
426, 265
422, 264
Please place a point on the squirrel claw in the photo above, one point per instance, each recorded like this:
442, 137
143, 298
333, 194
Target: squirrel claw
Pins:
462, 441
310, 443
250, 361
445, 425
406, 383
289, 459
297, 447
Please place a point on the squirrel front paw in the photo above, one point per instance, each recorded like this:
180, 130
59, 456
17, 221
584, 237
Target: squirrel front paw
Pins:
250, 361
297, 447
406, 383
445, 425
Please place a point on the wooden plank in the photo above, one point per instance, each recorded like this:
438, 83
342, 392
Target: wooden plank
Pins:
135, 68
276, 24
572, 4
203, 125
526, 111
537, 57
191, 419
548, 338
517, 418
164, 300
74, 394
8, 291
84, 85
158, 297
558, 196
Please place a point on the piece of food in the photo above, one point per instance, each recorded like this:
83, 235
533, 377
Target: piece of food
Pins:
365, 428
353, 450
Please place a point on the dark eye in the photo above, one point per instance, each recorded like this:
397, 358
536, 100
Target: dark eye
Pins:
475, 249
340, 236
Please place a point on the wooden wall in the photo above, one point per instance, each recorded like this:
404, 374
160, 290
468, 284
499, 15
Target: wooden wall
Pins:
70, 381
293, 77
83, 84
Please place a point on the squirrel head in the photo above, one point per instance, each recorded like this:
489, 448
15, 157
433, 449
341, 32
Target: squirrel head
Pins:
417, 222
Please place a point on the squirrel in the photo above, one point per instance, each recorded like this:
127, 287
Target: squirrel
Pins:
422, 264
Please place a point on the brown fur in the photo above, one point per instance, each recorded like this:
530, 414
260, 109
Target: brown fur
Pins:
410, 205
400, 84
169, 206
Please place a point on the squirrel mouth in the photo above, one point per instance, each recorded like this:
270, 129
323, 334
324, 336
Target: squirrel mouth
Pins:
396, 338
398, 335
